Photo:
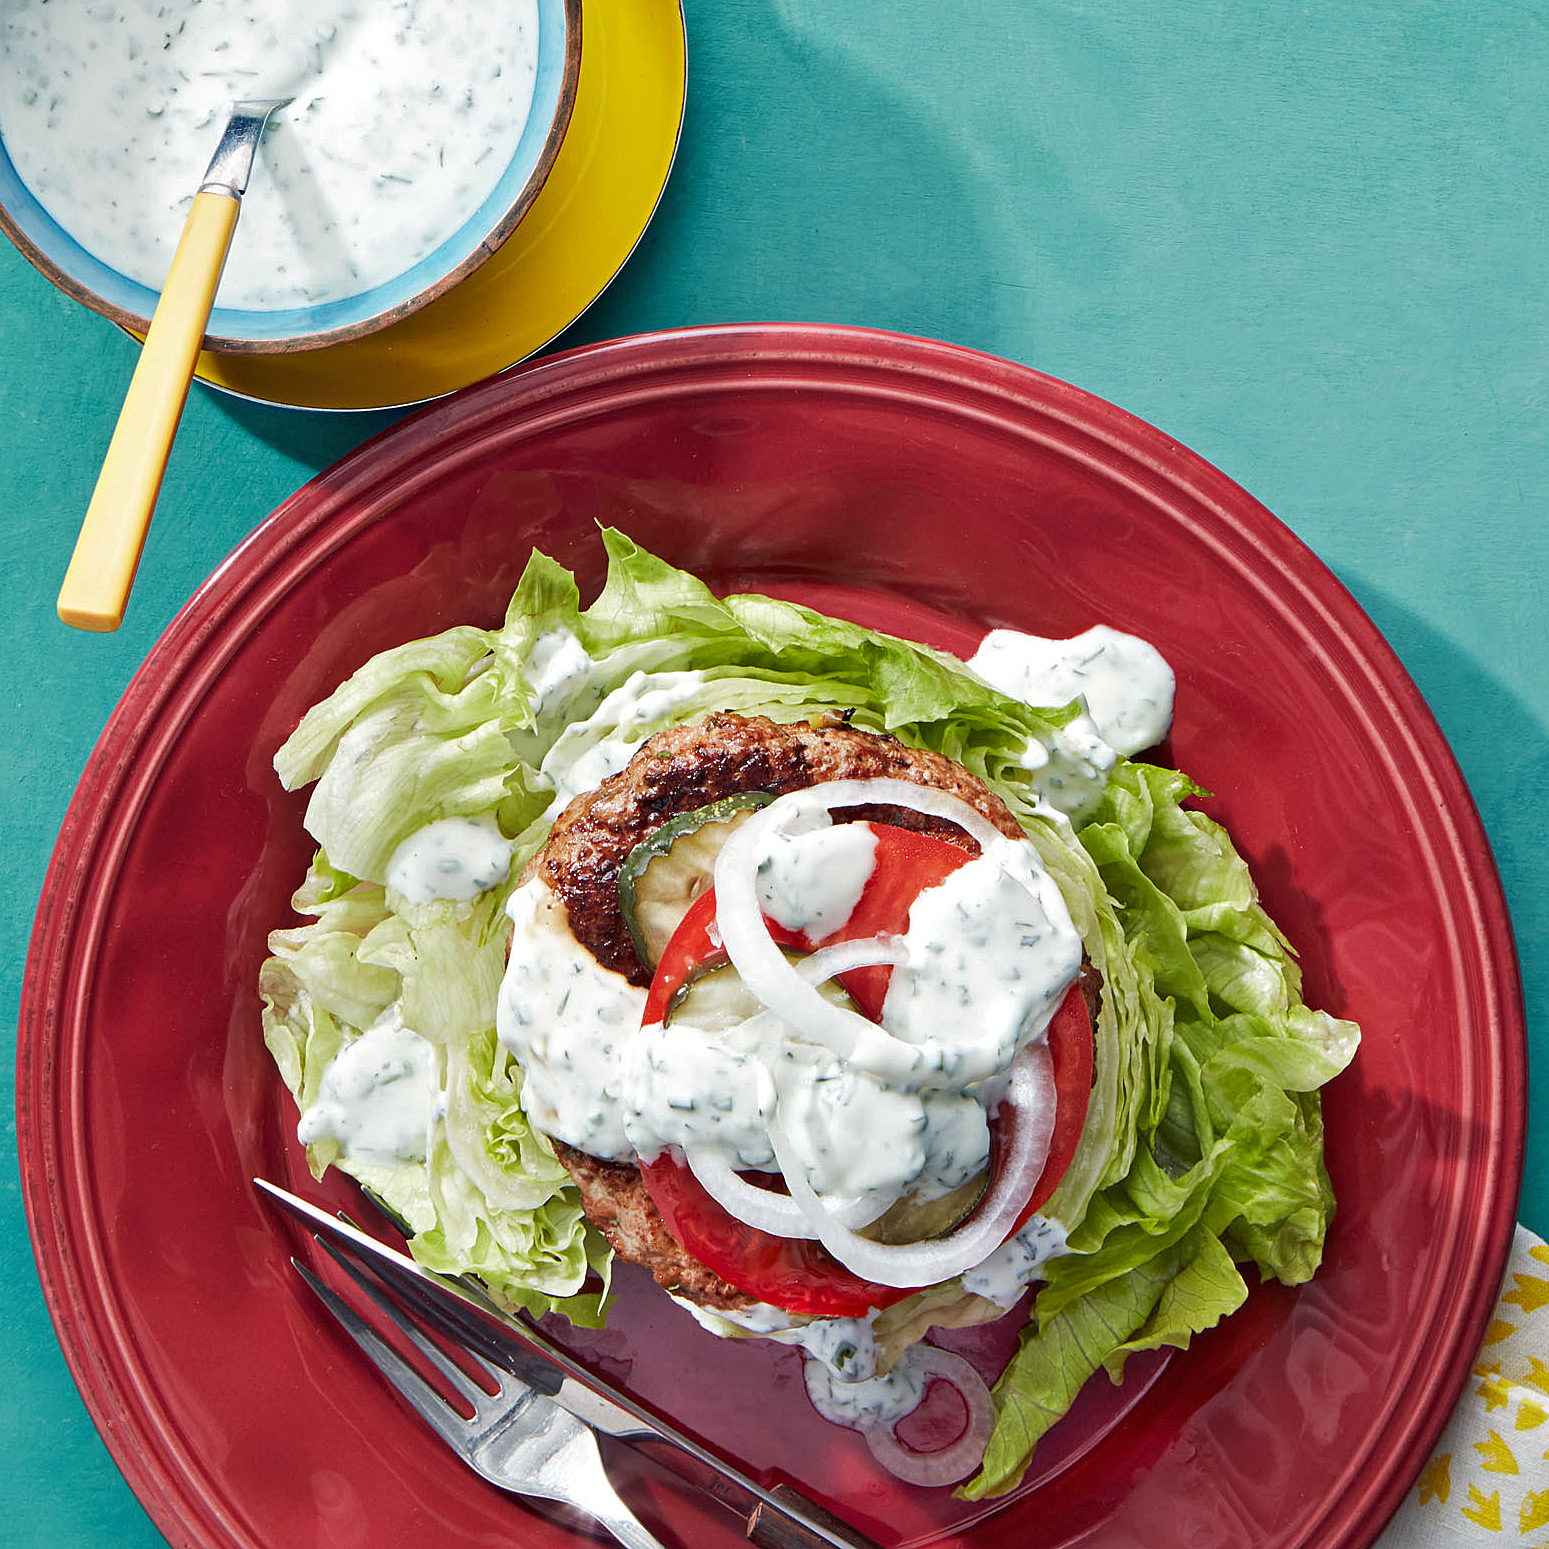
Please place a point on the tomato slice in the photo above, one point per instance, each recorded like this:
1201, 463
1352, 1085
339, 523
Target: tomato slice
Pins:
789, 1272
796, 1274
905, 864
1070, 1048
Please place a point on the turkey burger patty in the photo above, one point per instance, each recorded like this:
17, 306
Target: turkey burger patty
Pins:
656, 828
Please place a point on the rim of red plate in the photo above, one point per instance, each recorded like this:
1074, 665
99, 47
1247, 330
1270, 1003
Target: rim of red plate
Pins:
594, 379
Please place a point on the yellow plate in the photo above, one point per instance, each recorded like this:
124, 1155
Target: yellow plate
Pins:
593, 209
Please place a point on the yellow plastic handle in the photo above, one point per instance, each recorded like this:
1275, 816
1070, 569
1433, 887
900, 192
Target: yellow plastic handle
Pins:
107, 552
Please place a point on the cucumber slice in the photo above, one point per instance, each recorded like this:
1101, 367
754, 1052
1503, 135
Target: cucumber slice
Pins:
673, 865
913, 1220
715, 998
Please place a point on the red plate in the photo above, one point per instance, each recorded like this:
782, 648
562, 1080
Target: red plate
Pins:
914, 486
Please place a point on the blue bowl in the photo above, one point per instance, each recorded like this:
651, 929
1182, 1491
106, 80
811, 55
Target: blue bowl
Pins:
99, 286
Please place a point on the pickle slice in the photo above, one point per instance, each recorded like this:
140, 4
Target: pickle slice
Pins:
673, 865
913, 1220
714, 998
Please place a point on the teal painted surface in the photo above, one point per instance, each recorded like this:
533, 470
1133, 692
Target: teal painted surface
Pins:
1307, 241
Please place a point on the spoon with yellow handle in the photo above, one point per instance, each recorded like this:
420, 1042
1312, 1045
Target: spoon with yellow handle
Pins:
107, 552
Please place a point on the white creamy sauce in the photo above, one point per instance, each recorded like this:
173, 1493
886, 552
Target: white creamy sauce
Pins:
847, 1347
957, 1143
589, 751
379, 1097
405, 115
853, 1134
452, 858
988, 954
1012, 1267
566, 1019
559, 670
1070, 767
812, 881
1122, 681
756, 1318
869, 1401
695, 1091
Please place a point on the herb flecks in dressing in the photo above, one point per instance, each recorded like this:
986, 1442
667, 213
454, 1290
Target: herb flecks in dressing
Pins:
566, 1018
867, 1400
848, 1347
450, 858
988, 954
405, 115
813, 882
1007, 1272
589, 751
379, 1097
1125, 686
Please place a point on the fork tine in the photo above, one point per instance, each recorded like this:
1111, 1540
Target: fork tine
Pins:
443, 1304
438, 1304
546, 1379
383, 1299
408, 1383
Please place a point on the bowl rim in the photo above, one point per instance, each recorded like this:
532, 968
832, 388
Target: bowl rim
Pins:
137, 324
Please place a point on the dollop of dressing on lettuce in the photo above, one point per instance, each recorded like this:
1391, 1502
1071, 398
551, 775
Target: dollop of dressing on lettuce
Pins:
1202, 1150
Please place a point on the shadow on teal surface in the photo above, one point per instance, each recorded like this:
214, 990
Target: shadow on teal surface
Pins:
753, 218
303, 435
1480, 717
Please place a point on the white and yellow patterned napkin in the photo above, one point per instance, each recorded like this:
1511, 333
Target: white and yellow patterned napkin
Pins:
1487, 1483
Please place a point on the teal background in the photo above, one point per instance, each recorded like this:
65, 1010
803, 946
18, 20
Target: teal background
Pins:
1308, 241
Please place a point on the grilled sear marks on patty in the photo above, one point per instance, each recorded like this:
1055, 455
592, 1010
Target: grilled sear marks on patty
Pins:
690, 766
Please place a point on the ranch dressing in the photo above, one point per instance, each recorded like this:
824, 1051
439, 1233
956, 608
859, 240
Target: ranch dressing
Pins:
558, 670
566, 1019
868, 1400
813, 884
848, 1347
1013, 1266
1123, 683
590, 751
450, 858
405, 115
379, 1096
988, 953
569, 685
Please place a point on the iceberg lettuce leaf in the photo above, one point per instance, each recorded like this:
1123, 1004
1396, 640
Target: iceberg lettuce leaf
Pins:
1202, 1149
490, 1198
1227, 1163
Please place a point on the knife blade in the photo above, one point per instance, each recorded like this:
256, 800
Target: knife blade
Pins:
777, 1517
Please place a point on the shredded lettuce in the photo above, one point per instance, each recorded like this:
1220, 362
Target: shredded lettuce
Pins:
1202, 1150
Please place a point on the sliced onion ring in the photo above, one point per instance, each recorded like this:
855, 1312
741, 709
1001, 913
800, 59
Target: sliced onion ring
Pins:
770, 976
761, 1209
1030, 1090
777, 1214
950, 1463
840, 957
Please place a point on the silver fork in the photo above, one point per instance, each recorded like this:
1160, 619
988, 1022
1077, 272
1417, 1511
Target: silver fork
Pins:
517, 1439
